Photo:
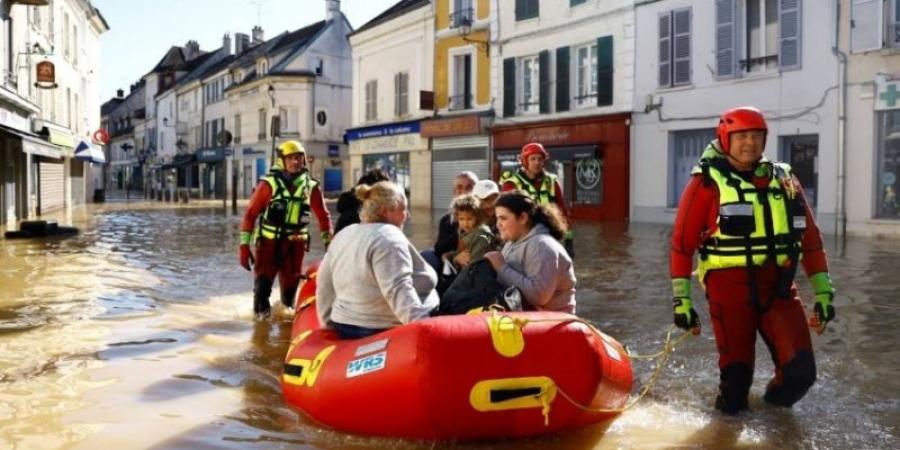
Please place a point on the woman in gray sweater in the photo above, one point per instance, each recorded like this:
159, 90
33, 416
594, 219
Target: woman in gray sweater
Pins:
532, 259
372, 278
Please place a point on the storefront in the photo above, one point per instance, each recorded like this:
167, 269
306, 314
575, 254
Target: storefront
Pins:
51, 170
400, 151
457, 144
887, 162
589, 155
212, 172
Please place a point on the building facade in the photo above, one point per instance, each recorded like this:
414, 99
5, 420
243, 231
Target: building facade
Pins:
870, 52
393, 72
564, 77
695, 60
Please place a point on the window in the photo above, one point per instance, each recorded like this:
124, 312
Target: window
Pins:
461, 90
237, 128
36, 16
757, 35
893, 24
75, 44
371, 100
685, 148
288, 121
888, 206
262, 67
527, 9
462, 14
69, 108
530, 82
576, 2
675, 48
586, 75
65, 35
320, 67
261, 135
401, 94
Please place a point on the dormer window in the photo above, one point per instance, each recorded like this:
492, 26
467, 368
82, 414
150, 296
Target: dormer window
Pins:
262, 67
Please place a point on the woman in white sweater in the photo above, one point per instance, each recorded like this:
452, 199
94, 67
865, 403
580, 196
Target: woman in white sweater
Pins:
372, 278
532, 259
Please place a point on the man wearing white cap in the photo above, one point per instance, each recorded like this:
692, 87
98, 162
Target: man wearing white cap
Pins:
487, 193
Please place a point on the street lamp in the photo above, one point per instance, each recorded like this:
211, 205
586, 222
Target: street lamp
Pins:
465, 29
275, 124
125, 148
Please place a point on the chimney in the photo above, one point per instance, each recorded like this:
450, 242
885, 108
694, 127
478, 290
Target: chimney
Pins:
241, 42
226, 43
257, 34
332, 9
120, 93
191, 50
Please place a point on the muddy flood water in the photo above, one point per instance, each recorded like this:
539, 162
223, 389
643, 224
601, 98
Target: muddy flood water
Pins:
138, 333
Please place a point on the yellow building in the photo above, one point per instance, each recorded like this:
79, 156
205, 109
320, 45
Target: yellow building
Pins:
462, 94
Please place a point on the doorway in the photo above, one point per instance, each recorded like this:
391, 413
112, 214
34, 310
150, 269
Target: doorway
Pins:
802, 153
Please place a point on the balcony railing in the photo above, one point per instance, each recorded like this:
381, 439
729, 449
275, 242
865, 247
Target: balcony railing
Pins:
460, 102
461, 18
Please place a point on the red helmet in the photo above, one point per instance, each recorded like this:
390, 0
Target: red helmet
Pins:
743, 118
533, 148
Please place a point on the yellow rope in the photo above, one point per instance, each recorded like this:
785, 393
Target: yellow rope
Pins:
668, 347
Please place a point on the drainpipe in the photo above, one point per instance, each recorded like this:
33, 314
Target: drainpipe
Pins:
840, 226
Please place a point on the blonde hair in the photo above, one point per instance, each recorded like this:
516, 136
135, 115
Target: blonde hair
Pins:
466, 203
377, 199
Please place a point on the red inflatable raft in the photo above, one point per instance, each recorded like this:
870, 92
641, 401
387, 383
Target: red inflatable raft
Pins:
456, 377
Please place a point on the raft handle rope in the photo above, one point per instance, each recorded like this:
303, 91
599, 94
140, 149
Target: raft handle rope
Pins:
668, 348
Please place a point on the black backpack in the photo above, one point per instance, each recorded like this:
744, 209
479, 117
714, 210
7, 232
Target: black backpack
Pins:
477, 286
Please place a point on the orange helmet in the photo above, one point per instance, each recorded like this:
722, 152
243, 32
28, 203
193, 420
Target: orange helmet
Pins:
743, 118
532, 148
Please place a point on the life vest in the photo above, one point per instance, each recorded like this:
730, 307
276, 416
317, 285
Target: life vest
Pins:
545, 194
287, 214
754, 225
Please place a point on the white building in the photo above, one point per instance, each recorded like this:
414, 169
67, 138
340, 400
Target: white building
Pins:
393, 62
43, 122
302, 77
695, 59
565, 73
872, 91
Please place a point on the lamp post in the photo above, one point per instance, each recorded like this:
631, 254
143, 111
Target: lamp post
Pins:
125, 148
275, 130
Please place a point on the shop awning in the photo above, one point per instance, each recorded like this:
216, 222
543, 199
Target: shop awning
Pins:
33, 144
86, 151
60, 138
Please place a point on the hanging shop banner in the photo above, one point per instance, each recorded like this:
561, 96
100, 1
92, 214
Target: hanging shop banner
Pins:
46, 75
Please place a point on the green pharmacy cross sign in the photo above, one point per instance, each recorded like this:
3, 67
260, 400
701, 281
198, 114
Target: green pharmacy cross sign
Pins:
890, 96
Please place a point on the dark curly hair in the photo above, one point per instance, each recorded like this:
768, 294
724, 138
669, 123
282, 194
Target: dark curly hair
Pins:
520, 202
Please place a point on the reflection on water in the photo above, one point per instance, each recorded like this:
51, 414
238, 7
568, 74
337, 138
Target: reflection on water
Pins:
137, 333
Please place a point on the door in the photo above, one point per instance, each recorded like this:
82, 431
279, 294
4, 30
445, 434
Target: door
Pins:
9, 191
802, 153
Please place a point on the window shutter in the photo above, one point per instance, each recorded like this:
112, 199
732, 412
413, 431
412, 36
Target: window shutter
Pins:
682, 49
605, 71
789, 21
544, 78
467, 82
562, 79
509, 86
665, 49
725, 38
520, 4
397, 94
865, 25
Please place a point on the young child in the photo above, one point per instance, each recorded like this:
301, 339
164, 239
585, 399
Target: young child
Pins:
475, 237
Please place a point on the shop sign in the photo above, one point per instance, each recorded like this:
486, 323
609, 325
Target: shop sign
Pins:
453, 126
383, 130
46, 75
334, 151
210, 155
402, 142
888, 94
587, 180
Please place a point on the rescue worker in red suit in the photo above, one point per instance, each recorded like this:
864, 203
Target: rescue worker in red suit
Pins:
748, 219
541, 186
281, 202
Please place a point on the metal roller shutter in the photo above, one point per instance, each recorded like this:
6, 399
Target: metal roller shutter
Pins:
449, 158
52, 186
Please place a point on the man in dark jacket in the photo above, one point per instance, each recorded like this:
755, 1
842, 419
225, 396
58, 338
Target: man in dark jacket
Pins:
448, 235
348, 205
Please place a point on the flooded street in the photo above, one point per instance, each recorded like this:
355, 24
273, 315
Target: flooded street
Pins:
138, 333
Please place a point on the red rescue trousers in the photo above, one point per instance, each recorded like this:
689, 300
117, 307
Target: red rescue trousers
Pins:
283, 258
781, 322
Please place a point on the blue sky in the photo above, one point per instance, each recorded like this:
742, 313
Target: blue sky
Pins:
142, 30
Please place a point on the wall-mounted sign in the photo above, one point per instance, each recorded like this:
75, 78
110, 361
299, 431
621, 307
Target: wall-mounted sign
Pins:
887, 94
383, 130
46, 75
451, 126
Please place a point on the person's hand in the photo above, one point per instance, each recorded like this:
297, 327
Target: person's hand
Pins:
496, 259
684, 315
326, 239
246, 256
462, 258
823, 310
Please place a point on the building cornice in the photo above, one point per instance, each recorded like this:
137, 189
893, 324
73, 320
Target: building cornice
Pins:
18, 101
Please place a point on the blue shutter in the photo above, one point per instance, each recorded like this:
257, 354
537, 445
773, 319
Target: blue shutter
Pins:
665, 49
605, 71
789, 24
681, 52
544, 78
509, 87
562, 79
726, 31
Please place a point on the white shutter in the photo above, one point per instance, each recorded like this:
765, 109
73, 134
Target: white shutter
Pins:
682, 49
52, 186
665, 49
865, 25
789, 24
725, 38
